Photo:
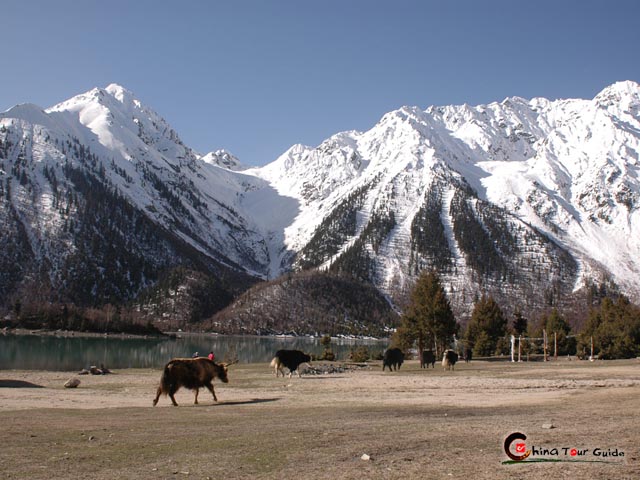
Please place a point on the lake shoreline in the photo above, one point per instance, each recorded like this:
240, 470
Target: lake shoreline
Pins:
172, 334
73, 333
73, 351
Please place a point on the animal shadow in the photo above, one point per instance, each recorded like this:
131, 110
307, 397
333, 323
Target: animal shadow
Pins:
18, 384
321, 377
249, 402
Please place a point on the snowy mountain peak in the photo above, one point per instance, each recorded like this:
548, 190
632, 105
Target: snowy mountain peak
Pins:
30, 114
124, 125
620, 95
120, 93
558, 171
114, 100
524, 198
26, 111
406, 114
623, 88
223, 159
515, 100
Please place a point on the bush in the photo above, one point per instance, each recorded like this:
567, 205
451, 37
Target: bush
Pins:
503, 346
359, 354
327, 355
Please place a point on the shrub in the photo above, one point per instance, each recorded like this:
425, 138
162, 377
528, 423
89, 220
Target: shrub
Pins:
359, 354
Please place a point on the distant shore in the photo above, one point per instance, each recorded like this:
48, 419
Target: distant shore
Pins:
72, 333
169, 334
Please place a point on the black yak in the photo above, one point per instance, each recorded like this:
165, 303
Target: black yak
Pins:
290, 359
467, 354
393, 357
449, 359
428, 358
191, 373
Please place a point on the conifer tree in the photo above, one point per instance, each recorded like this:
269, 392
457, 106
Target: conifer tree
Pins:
428, 319
520, 323
615, 329
487, 325
555, 324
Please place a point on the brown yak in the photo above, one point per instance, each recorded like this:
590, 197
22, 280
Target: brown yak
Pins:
191, 373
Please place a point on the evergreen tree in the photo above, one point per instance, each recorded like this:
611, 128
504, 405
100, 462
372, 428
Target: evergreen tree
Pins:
402, 339
520, 323
488, 324
555, 323
429, 319
615, 328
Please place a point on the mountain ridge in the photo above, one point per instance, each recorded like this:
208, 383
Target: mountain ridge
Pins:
524, 148
528, 199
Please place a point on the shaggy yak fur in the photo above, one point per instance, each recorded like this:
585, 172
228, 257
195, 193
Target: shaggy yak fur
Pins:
290, 359
449, 359
393, 358
191, 373
428, 358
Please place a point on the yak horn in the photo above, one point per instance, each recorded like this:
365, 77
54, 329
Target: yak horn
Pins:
229, 364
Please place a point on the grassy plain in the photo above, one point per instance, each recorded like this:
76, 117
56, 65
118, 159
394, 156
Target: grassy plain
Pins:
427, 424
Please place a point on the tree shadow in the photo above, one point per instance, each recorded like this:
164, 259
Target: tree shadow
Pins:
18, 384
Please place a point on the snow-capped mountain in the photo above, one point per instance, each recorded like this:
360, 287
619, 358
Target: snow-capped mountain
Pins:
102, 172
224, 159
528, 198
524, 199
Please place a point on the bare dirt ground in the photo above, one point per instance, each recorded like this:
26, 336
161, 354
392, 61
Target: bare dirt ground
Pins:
411, 424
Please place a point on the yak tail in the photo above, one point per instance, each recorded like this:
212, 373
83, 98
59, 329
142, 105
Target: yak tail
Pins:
274, 362
165, 380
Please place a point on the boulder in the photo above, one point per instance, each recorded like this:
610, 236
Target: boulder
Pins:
72, 383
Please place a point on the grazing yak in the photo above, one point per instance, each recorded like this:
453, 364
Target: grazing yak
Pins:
290, 359
428, 358
467, 354
449, 359
191, 373
393, 357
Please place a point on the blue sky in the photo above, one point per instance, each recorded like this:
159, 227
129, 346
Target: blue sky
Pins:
255, 77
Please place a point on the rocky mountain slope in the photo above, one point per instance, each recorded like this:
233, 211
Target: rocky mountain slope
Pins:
528, 200
308, 303
99, 196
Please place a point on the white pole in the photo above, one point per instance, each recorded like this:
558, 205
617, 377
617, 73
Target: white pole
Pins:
513, 344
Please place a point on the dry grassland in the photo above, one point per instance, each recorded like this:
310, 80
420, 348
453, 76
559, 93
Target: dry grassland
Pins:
412, 424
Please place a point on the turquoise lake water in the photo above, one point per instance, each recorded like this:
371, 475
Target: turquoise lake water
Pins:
70, 353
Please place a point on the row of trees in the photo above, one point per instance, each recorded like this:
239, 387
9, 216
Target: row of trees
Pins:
612, 327
106, 319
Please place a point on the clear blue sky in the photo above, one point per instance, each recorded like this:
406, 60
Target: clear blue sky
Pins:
255, 77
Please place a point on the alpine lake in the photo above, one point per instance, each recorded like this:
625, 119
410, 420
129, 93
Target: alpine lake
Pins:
65, 351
